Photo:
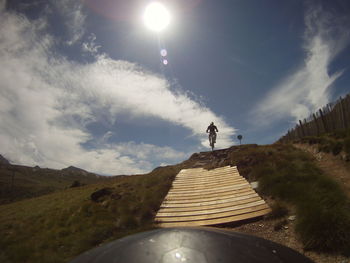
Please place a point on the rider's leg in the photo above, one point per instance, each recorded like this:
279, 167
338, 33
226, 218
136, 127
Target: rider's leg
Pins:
214, 137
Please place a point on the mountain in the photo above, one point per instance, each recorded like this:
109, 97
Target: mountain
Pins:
19, 182
72, 170
3, 161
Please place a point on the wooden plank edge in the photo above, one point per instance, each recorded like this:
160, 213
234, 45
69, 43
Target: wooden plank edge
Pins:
211, 206
167, 204
217, 221
215, 210
211, 216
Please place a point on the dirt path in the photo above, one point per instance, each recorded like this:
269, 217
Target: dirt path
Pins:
331, 165
287, 237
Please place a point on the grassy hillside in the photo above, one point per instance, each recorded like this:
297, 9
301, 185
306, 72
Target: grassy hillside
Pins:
61, 225
20, 182
337, 143
290, 175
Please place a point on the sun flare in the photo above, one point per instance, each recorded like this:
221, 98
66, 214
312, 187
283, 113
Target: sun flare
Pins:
156, 16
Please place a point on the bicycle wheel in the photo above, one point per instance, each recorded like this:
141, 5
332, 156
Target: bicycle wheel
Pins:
211, 141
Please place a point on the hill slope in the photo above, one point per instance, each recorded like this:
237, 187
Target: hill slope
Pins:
20, 182
55, 227
59, 226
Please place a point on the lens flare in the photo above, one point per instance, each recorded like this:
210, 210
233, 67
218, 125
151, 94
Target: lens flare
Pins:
156, 16
163, 52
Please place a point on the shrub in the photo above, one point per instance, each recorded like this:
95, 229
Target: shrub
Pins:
347, 145
278, 210
128, 221
336, 148
99, 234
314, 140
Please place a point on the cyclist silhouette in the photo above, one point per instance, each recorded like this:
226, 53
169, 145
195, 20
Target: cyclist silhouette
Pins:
212, 129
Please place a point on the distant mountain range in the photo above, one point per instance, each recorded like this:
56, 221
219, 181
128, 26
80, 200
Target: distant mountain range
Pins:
18, 182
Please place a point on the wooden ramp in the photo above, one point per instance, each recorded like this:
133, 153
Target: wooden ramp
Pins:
199, 197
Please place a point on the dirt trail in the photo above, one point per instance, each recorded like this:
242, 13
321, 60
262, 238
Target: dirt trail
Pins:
331, 165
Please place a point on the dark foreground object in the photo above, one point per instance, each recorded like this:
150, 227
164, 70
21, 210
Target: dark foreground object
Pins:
195, 245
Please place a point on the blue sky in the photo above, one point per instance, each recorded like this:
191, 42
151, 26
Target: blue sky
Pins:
82, 82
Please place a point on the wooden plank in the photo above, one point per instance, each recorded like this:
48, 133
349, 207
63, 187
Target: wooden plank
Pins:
231, 187
204, 197
205, 175
207, 211
217, 221
198, 174
193, 205
216, 204
201, 194
207, 179
209, 190
199, 170
190, 170
211, 216
222, 193
240, 192
206, 188
208, 182
192, 173
206, 185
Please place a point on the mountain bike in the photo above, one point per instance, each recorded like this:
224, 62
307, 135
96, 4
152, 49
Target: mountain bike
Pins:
212, 140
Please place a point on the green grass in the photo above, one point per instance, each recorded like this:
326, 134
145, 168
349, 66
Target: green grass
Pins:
59, 226
323, 211
334, 142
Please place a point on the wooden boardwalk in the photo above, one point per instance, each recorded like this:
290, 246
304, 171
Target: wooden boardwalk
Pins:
199, 197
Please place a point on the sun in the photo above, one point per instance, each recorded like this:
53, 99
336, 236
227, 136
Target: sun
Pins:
156, 16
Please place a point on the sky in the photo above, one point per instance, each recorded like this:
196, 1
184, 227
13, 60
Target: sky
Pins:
82, 83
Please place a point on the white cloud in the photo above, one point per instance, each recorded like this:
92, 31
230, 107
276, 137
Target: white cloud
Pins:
46, 102
90, 46
308, 88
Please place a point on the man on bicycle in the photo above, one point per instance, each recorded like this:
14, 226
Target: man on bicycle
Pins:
212, 129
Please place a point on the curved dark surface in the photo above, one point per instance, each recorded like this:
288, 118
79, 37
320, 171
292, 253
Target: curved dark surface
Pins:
196, 245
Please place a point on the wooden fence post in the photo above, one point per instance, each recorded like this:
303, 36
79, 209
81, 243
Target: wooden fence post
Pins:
302, 128
342, 115
331, 117
323, 121
316, 124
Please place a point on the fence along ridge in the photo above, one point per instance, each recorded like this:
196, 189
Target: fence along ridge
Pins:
334, 116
